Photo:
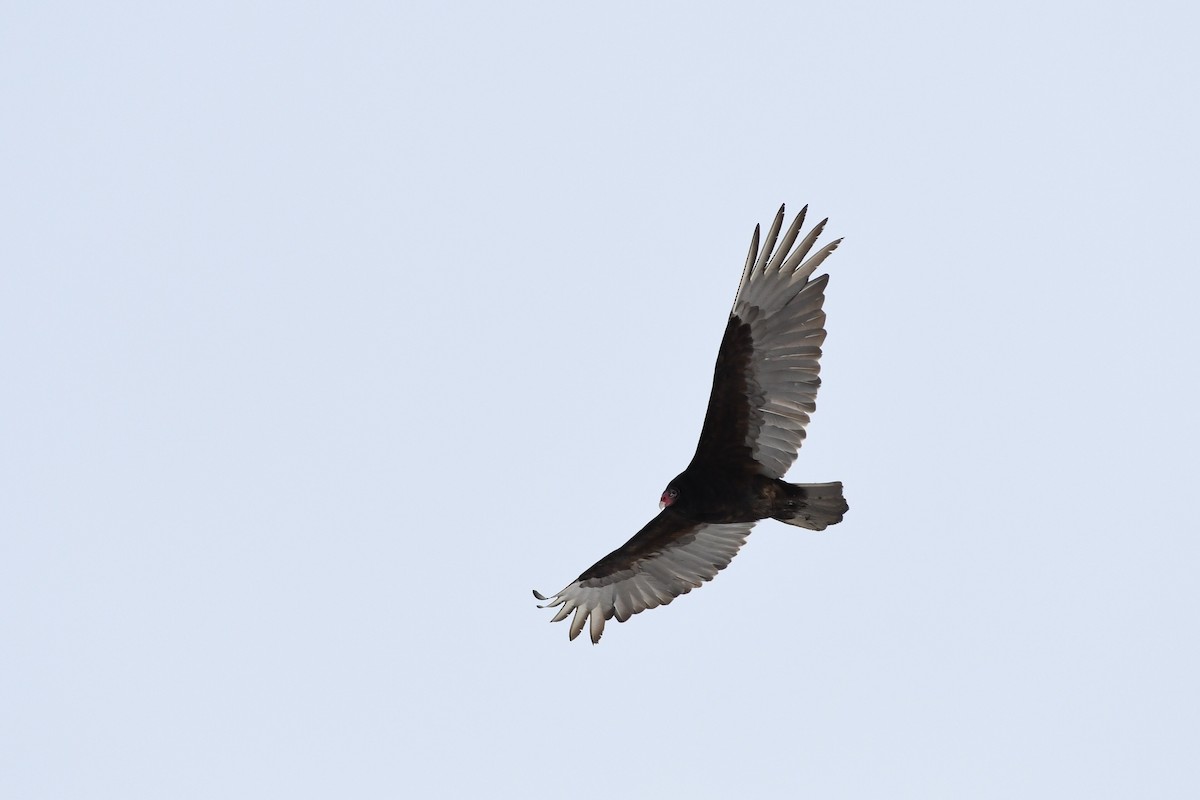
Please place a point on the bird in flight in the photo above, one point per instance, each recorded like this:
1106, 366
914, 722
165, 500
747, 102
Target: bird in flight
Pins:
764, 389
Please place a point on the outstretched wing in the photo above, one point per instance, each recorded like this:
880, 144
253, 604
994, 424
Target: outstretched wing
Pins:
767, 374
667, 558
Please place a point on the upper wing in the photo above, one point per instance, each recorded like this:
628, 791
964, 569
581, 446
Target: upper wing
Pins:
767, 374
667, 558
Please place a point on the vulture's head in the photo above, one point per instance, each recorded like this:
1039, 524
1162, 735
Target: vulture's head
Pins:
669, 496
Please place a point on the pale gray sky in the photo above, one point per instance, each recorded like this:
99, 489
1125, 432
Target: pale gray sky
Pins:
328, 332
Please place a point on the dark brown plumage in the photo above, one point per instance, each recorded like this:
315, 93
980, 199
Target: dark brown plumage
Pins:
764, 389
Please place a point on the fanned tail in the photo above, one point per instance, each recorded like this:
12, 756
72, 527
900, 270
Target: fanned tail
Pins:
814, 506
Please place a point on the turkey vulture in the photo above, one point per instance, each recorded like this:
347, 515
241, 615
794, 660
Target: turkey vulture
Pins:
764, 387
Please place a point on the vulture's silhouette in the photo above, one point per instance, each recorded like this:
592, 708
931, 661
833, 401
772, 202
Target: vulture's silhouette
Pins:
764, 389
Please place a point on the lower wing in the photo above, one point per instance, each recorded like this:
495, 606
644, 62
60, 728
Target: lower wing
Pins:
667, 558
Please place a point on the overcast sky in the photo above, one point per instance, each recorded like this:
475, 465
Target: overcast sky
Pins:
329, 330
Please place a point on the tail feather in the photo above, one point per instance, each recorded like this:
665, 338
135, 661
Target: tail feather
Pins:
814, 506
